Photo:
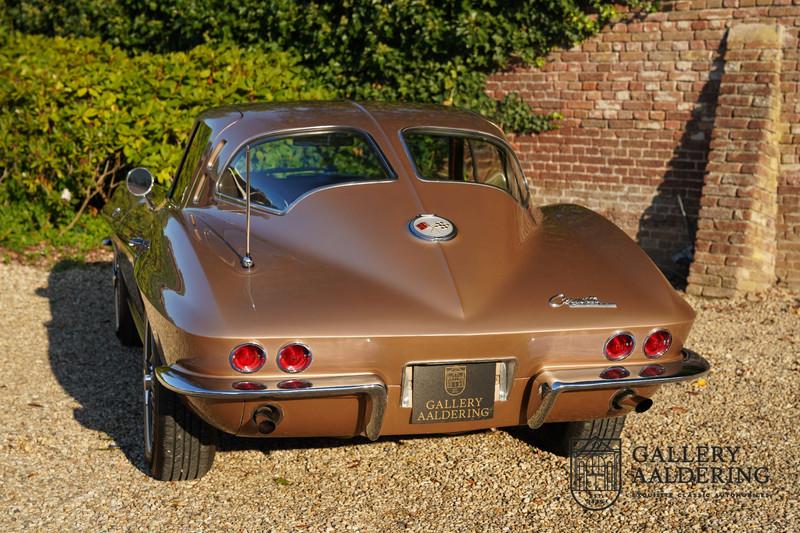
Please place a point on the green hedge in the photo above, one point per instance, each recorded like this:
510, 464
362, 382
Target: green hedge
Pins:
429, 51
116, 83
74, 113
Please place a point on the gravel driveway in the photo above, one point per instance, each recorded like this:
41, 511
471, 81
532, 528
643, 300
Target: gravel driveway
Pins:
71, 456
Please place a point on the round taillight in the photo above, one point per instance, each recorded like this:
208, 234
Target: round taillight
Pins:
247, 358
657, 343
294, 358
619, 346
615, 372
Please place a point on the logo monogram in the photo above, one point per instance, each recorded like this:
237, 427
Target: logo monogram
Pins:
455, 379
560, 300
432, 228
595, 472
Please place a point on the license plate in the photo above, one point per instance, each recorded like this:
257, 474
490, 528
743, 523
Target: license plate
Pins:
452, 393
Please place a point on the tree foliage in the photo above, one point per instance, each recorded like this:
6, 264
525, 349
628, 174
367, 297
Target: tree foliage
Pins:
113, 83
413, 50
76, 112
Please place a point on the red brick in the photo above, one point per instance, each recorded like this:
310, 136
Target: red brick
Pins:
711, 132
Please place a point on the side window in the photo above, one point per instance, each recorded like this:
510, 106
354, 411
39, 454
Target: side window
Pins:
191, 158
284, 169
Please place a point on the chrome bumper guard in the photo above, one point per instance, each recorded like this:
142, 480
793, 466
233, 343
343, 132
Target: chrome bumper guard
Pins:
321, 387
550, 383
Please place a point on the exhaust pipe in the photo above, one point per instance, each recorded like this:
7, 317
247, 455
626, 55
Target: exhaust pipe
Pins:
628, 398
267, 417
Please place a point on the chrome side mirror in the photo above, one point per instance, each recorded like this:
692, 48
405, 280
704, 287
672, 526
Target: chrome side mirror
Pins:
139, 181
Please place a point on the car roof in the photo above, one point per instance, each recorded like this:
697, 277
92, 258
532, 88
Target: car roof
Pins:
232, 127
265, 118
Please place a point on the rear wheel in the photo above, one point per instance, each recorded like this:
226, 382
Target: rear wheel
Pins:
178, 445
124, 326
556, 437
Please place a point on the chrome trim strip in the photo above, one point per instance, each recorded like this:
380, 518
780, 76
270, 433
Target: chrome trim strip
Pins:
583, 302
322, 387
555, 382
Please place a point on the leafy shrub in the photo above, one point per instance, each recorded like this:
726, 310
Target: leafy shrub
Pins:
125, 83
428, 51
74, 113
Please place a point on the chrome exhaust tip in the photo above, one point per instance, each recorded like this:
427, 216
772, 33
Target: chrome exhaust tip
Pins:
628, 398
267, 417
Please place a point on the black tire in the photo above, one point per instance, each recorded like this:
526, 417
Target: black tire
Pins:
556, 437
182, 445
124, 326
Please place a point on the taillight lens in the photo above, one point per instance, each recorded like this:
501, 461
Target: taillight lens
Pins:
294, 358
652, 371
615, 372
248, 385
294, 384
619, 346
657, 343
248, 358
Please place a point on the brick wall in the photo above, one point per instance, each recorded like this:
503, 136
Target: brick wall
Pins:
736, 241
640, 103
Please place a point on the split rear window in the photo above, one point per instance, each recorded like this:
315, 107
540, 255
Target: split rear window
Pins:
465, 157
285, 168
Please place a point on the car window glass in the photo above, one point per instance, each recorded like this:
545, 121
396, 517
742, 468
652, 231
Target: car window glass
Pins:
283, 169
191, 159
462, 157
484, 163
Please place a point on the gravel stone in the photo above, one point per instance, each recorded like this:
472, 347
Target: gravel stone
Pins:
71, 452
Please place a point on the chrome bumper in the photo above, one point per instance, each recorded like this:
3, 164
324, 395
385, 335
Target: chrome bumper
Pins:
324, 387
550, 383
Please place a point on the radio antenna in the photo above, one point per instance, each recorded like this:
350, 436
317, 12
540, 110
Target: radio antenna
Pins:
247, 261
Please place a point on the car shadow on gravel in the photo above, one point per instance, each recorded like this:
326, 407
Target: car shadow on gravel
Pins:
232, 443
88, 361
266, 445
544, 439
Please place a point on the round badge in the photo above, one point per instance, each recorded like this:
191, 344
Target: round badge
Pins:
432, 228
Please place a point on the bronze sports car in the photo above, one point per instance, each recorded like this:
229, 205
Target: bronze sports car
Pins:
343, 269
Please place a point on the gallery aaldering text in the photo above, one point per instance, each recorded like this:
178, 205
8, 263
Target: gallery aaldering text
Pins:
698, 464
